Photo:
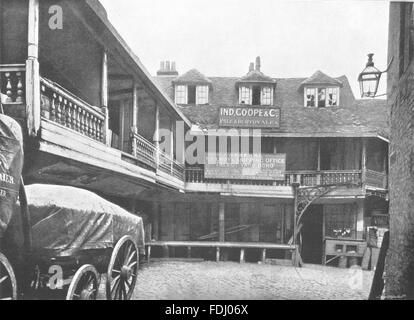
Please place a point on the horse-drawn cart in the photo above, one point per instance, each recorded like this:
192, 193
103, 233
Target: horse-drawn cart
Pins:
64, 238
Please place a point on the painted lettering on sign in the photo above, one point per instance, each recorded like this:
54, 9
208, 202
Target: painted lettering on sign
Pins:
245, 166
252, 117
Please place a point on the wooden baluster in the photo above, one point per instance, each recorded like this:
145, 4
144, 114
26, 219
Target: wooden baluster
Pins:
53, 107
69, 118
9, 88
94, 120
65, 113
76, 115
59, 110
19, 97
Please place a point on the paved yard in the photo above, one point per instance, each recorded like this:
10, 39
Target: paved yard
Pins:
228, 280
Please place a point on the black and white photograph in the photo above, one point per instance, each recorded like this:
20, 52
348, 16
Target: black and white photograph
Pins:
214, 151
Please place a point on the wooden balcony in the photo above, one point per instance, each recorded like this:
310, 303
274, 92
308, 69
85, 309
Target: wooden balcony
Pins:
305, 178
196, 182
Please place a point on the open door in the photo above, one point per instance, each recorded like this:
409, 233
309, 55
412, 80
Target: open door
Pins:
312, 235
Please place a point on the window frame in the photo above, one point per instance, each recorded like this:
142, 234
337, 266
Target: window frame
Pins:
316, 101
262, 96
202, 92
245, 89
182, 94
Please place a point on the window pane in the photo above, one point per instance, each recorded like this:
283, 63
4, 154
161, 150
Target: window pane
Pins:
332, 96
181, 94
310, 97
202, 94
267, 96
321, 98
245, 95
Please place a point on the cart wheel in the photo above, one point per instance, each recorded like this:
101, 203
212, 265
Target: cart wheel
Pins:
84, 285
122, 270
8, 284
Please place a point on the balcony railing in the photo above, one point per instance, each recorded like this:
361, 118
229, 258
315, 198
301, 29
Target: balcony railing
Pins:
376, 179
62, 107
148, 155
12, 79
305, 178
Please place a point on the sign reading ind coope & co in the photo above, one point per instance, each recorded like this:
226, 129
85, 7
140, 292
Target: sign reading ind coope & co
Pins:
249, 117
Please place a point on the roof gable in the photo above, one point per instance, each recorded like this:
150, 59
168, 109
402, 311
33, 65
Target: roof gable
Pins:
256, 76
192, 76
320, 78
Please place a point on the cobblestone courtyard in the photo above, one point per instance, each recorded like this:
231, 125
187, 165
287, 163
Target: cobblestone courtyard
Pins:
227, 280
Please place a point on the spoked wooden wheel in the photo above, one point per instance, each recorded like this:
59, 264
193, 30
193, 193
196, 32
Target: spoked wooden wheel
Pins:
122, 270
84, 285
8, 284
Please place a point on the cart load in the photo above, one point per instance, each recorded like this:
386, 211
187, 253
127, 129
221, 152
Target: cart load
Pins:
11, 165
84, 235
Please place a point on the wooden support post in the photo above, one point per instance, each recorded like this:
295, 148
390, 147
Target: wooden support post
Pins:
218, 254
189, 252
148, 254
104, 97
242, 260
157, 133
318, 176
364, 161
33, 70
155, 221
222, 236
134, 129
263, 255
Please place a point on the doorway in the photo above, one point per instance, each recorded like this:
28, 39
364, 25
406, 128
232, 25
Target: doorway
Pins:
312, 235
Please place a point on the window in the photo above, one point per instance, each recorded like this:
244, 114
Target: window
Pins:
245, 95
322, 97
191, 95
181, 94
340, 221
202, 94
310, 97
267, 96
332, 98
256, 95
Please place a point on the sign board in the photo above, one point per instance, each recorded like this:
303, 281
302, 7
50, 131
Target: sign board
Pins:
249, 117
245, 166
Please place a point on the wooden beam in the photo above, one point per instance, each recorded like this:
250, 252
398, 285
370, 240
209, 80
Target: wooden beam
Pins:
33, 70
221, 222
364, 161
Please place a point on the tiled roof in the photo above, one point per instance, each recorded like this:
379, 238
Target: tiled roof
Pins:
255, 76
352, 118
192, 76
320, 78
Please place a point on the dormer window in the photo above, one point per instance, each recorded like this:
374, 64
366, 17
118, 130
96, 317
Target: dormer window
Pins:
181, 94
188, 94
256, 95
321, 97
245, 95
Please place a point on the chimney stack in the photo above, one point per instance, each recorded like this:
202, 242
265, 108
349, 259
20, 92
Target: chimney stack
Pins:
167, 68
251, 67
258, 63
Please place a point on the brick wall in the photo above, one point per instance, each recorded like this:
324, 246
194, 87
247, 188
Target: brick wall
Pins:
400, 260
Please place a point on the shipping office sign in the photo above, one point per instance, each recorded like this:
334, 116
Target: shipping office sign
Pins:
249, 117
245, 166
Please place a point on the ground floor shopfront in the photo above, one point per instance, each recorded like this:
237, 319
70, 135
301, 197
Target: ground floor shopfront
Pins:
259, 221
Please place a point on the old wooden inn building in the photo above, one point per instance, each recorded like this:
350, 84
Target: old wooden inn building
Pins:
310, 184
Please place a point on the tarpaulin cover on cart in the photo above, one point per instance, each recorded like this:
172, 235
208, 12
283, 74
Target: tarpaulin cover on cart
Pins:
66, 220
11, 165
